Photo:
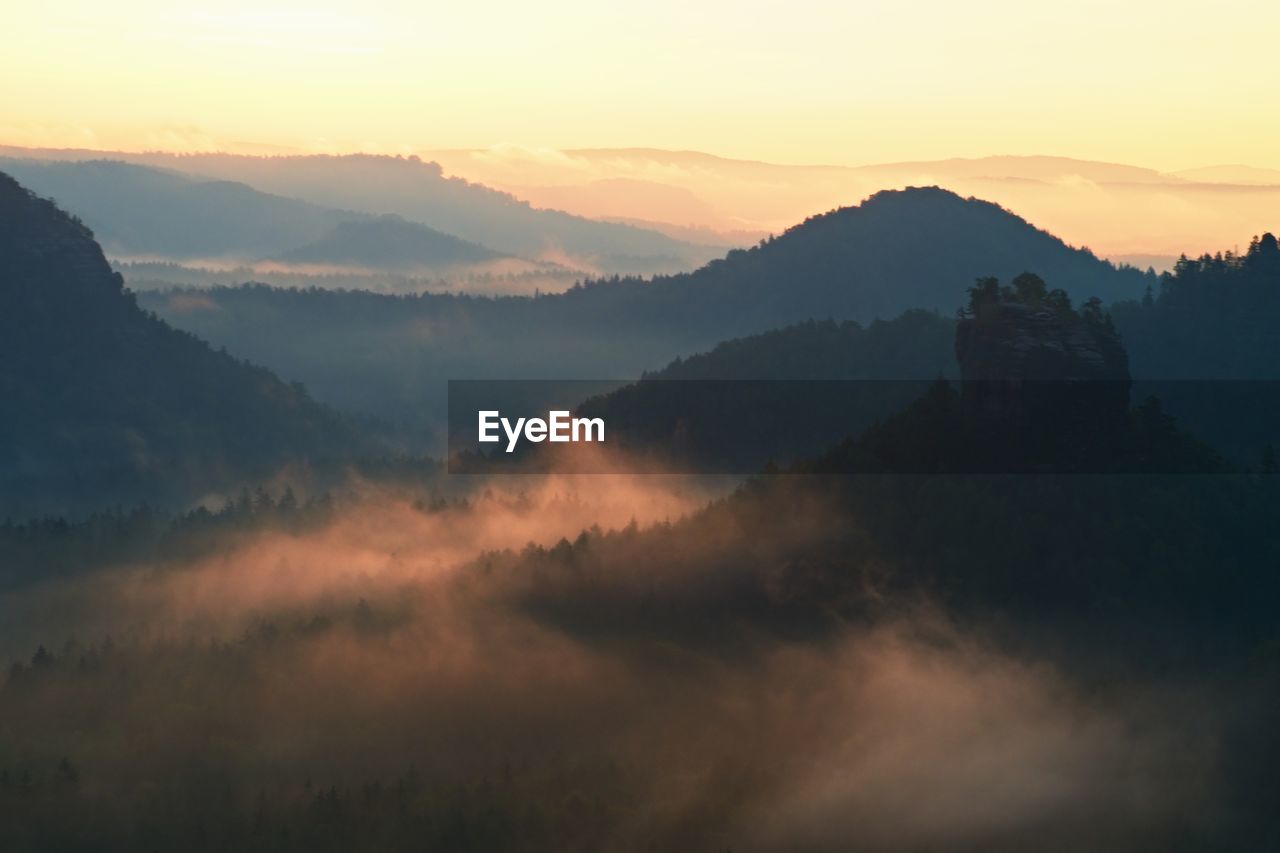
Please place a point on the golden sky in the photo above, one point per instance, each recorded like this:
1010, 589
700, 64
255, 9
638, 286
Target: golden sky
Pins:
1168, 85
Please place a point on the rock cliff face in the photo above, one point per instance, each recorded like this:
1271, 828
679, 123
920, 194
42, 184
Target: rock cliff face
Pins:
1016, 341
1039, 378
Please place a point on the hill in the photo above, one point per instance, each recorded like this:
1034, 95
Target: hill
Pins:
915, 345
387, 242
137, 211
419, 191
1209, 339
779, 395
1120, 211
1045, 387
107, 403
897, 251
1232, 174
1212, 317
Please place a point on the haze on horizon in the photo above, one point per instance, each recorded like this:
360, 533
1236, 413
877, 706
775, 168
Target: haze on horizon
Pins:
1168, 86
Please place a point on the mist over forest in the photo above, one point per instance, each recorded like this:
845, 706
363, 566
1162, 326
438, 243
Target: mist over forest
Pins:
1021, 595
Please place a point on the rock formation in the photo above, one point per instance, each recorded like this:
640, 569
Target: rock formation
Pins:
1041, 380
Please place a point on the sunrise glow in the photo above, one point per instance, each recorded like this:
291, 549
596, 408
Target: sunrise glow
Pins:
1167, 85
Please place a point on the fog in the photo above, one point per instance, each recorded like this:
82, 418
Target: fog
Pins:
503, 277
435, 652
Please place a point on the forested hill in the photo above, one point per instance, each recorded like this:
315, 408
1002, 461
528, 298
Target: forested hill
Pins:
1213, 317
916, 345
919, 248
898, 250
140, 211
388, 242
685, 414
420, 192
104, 402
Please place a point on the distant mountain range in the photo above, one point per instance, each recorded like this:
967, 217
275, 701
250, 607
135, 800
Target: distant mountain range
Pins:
419, 192
139, 211
106, 403
147, 214
1121, 211
1232, 174
649, 211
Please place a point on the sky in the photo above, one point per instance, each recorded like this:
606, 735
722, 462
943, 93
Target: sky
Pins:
1168, 85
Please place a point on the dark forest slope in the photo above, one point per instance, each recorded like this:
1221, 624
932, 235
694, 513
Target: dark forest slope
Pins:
139, 211
105, 402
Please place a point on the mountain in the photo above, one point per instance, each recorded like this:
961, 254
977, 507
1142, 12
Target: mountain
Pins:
217, 228
897, 251
779, 395
1234, 173
915, 345
1028, 168
734, 238
618, 198
142, 211
420, 192
1040, 378
387, 242
1045, 389
1118, 210
105, 402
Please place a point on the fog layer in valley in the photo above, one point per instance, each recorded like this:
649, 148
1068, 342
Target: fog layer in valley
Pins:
401, 667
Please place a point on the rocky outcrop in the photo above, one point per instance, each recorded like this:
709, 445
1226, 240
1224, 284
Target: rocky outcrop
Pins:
1015, 341
1041, 380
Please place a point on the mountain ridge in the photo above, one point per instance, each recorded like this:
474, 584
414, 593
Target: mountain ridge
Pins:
418, 190
109, 403
840, 265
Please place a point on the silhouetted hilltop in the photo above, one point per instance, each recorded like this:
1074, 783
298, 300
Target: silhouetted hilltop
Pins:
898, 250
104, 402
388, 242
